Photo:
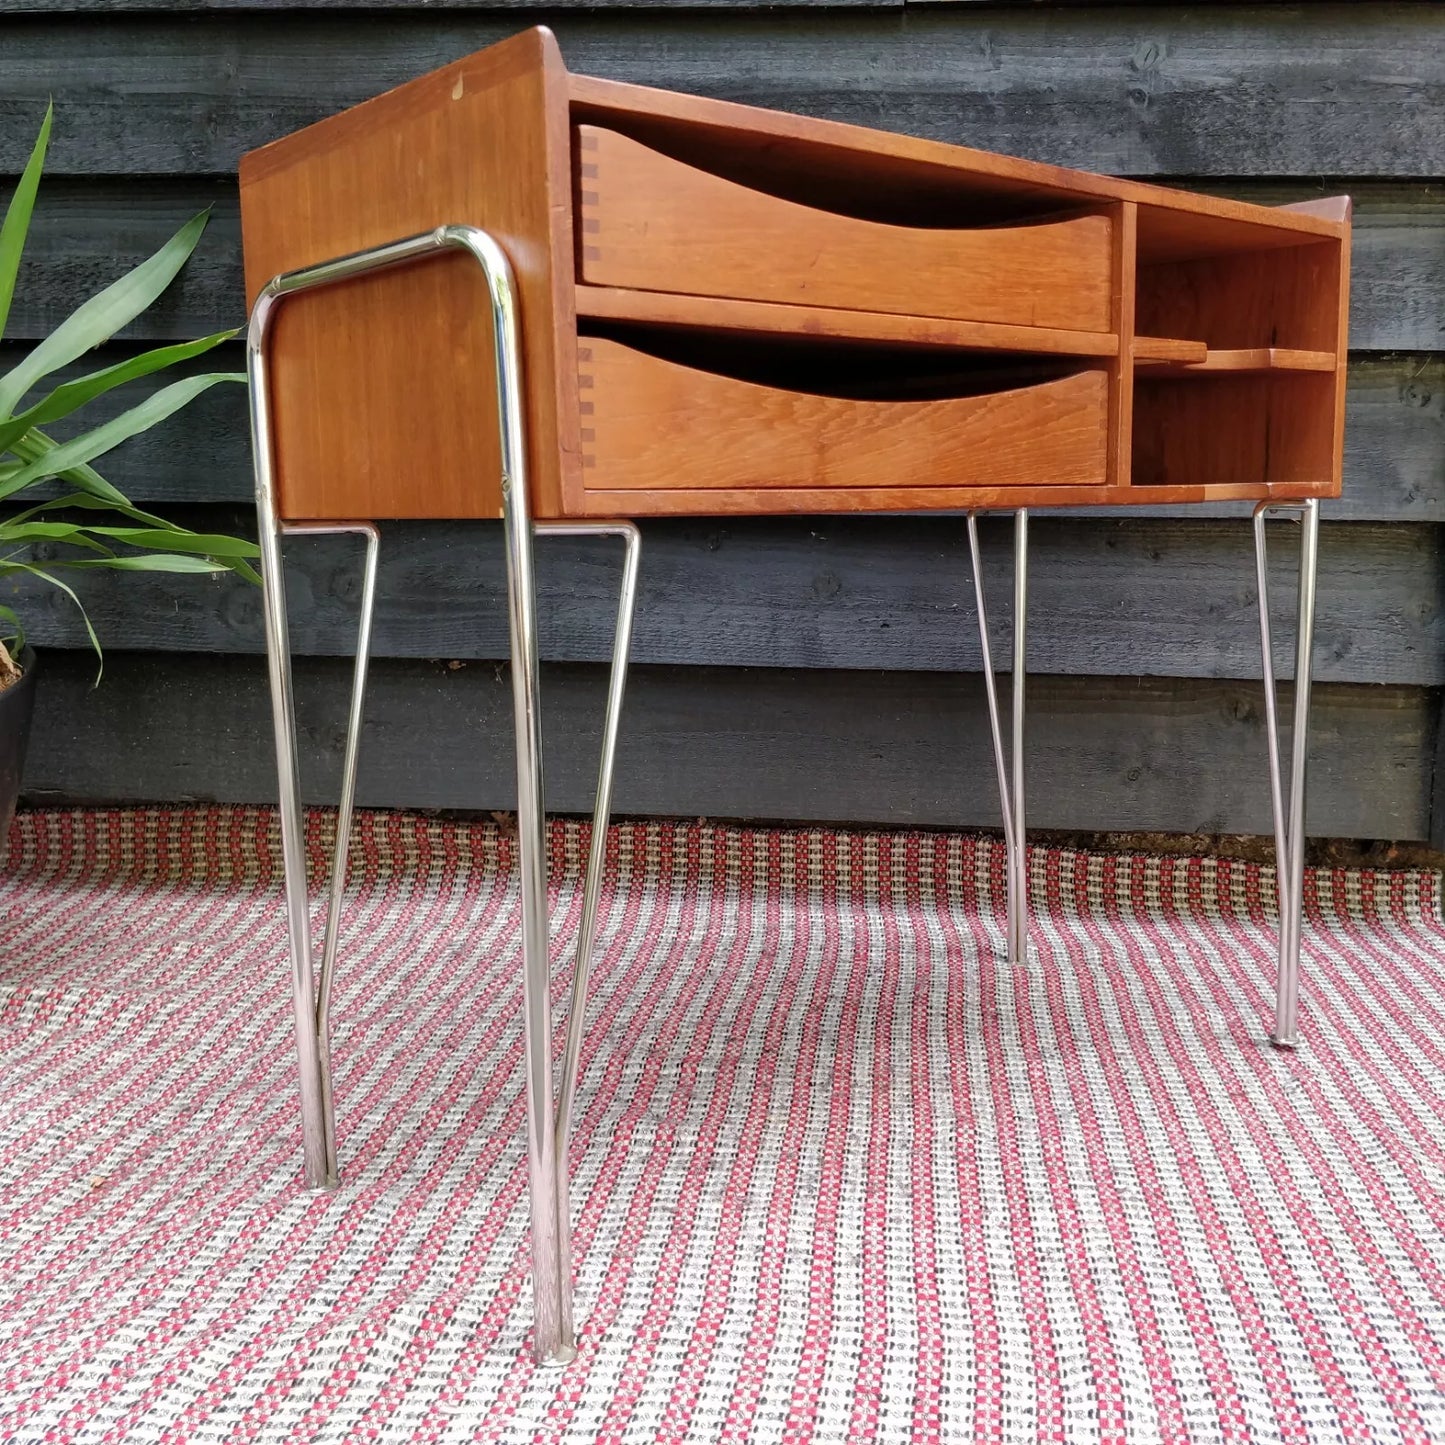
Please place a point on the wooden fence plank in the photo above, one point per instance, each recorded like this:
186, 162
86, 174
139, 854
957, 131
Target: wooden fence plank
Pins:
1157, 598
85, 233
904, 749
171, 7
1183, 90
155, 106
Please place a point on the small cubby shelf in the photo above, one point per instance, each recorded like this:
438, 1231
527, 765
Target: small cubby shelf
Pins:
1237, 353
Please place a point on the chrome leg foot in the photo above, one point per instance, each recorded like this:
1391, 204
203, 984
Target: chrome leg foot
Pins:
1011, 797
1289, 812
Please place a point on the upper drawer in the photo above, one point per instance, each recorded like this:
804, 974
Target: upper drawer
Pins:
650, 223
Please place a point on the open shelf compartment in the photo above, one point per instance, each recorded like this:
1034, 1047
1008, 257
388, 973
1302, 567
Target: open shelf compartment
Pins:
1238, 353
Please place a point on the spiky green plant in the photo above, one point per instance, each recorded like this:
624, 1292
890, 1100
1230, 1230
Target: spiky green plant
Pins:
132, 540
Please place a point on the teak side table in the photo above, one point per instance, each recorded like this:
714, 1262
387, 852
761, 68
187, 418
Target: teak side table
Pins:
687, 307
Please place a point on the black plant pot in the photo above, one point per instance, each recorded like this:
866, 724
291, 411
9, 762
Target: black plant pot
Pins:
17, 703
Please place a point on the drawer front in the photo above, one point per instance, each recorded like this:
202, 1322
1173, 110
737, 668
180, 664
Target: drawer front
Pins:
650, 223
650, 425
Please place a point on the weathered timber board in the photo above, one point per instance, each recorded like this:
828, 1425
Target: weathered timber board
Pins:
86, 233
164, 7
1151, 598
897, 750
1332, 89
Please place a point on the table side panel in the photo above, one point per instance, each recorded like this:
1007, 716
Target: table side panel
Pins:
384, 386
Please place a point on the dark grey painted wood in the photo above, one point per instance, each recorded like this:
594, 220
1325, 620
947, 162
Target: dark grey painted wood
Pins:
1394, 442
268, 7
106, 7
85, 233
153, 111
1178, 90
1437, 788
865, 747
1169, 599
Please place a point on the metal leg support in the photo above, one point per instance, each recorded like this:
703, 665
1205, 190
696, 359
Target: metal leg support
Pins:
591, 895
547, 1125
554, 1331
1011, 798
311, 998
1289, 812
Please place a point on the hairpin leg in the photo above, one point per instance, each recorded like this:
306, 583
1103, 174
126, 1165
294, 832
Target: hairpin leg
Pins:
1011, 799
591, 888
551, 1273
312, 1003
342, 841
1289, 832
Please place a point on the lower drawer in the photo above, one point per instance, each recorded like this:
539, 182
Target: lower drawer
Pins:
654, 425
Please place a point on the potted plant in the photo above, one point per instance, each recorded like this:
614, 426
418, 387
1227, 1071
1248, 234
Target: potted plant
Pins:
57, 513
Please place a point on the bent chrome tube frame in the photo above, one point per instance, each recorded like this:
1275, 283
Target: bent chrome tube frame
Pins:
549, 1113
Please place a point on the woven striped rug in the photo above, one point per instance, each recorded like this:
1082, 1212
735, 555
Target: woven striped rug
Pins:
841, 1174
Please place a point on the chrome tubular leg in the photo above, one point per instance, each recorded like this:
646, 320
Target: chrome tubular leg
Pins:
592, 884
1289, 812
283, 713
342, 842
1011, 795
990, 687
550, 1286
312, 1004
1018, 893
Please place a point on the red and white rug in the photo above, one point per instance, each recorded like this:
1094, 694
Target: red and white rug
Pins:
841, 1174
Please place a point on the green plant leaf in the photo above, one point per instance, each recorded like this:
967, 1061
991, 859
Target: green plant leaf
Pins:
70, 593
54, 503
74, 394
177, 539
103, 315
73, 533
158, 562
99, 504
89, 445
16, 225
237, 564
16, 637
36, 444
